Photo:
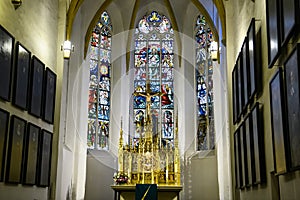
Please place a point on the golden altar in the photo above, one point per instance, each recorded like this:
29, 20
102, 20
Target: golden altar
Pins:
150, 162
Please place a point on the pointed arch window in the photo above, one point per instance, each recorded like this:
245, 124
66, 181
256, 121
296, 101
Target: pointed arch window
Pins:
99, 85
153, 57
204, 85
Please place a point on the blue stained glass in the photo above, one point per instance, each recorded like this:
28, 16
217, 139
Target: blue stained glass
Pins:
104, 56
167, 74
104, 97
139, 102
93, 67
167, 46
99, 85
140, 60
153, 73
154, 86
94, 53
154, 102
103, 112
105, 18
104, 69
154, 17
167, 123
167, 60
154, 61
104, 84
140, 86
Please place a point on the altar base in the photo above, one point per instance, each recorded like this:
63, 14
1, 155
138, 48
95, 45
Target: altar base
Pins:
165, 192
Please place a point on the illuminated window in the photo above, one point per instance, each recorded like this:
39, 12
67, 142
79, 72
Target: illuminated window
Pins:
154, 62
204, 85
99, 85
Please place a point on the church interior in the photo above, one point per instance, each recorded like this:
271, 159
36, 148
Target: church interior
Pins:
195, 97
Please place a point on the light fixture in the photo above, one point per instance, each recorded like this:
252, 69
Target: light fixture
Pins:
214, 50
16, 3
67, 48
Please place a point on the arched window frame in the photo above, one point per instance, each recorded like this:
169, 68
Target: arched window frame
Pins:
99, 85
154, 30
204, 85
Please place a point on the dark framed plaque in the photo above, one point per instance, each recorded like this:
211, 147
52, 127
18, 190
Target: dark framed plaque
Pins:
252, 69
146, 191
36, 87
245, 66
273, 30
237, 153
49, 96
249, 147
259, 173
290, 19
243, 148
21, 78
4, 118
278, 123
6, 61
291, 67
45, 153
240, 85
234, 96
31, 154
15, 150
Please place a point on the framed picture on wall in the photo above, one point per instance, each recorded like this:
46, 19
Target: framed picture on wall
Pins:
273, 30
252, 59
45, 153
245, 66
249, 147
36, 87
290, 19
31, 154
243, 156
237, 153
15, 150
21, 77
4, 117
292, 73
6, 61
259, 175
240, 85
278, 123
49, 96
234, 95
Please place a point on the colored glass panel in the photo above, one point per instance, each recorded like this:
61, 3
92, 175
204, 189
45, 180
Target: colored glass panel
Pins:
99, 85
204, 85
154, 62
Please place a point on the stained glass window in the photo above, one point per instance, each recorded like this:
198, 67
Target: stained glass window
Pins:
154, 63
204, 85
99, 85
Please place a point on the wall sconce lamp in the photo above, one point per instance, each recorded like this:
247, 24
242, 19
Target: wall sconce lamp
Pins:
67, 48
214, 50
16, 3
